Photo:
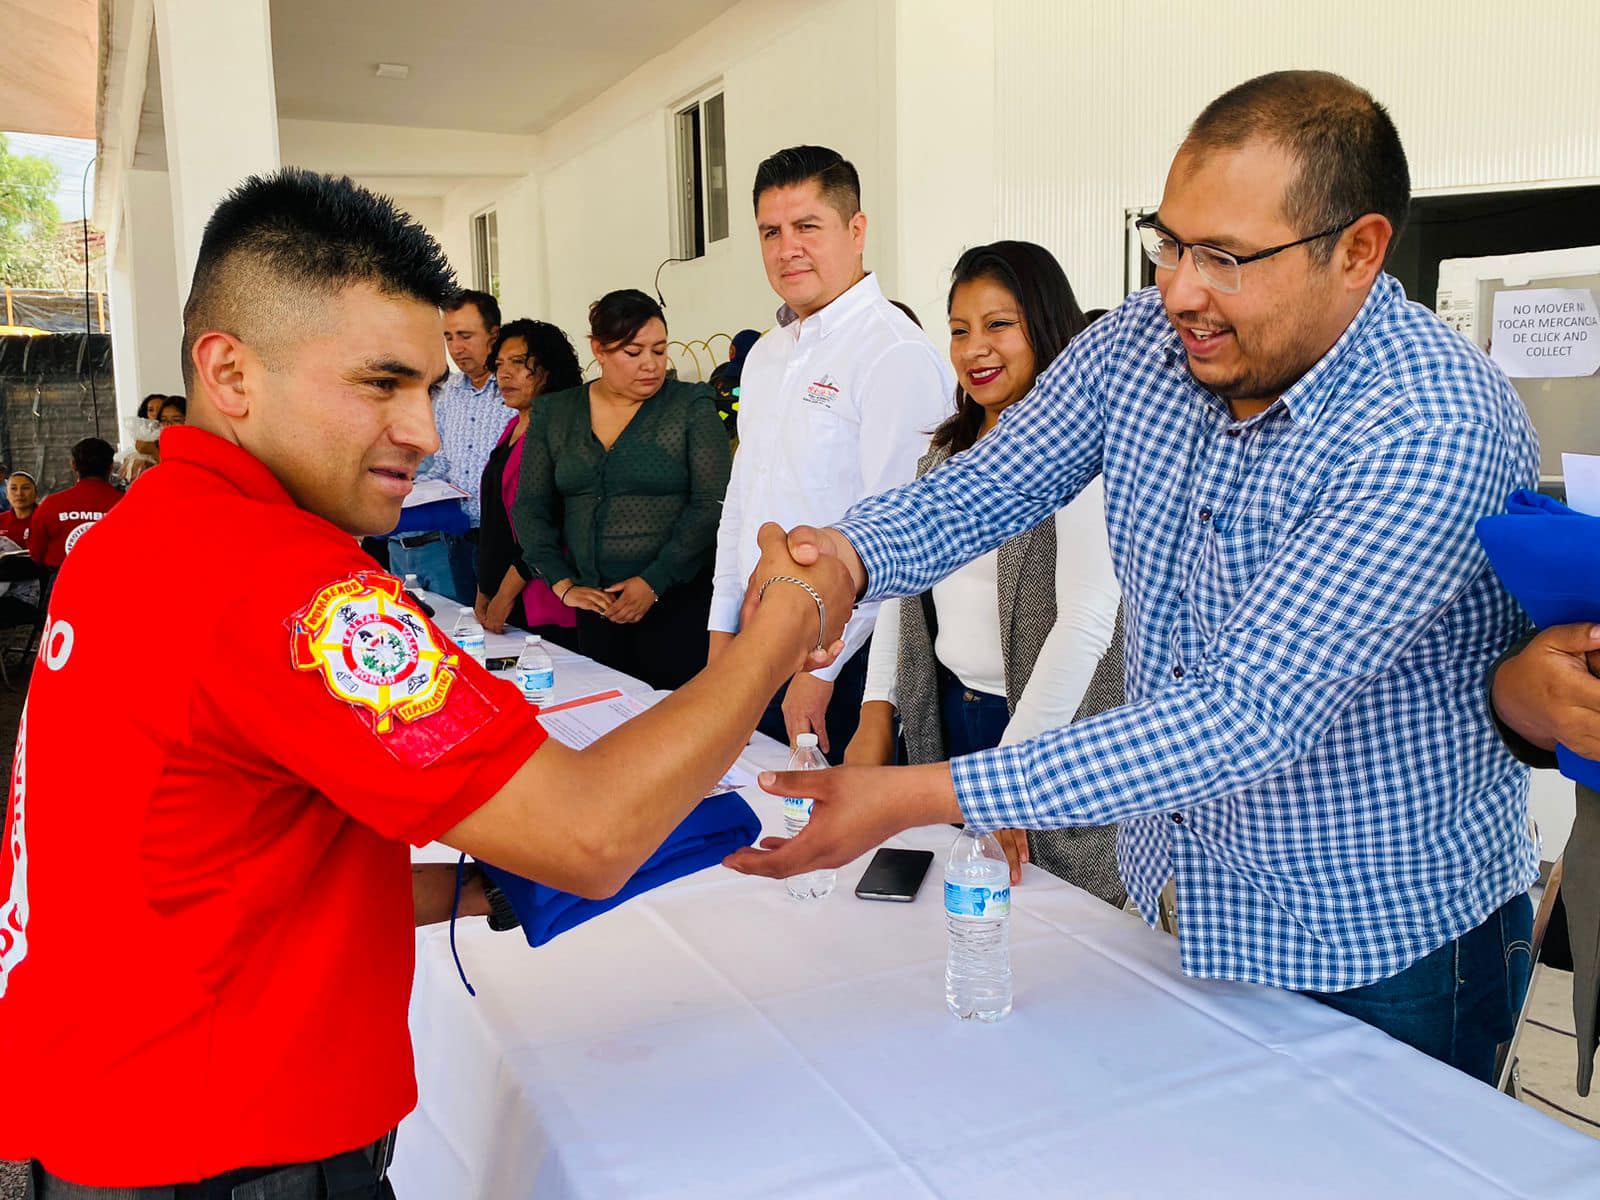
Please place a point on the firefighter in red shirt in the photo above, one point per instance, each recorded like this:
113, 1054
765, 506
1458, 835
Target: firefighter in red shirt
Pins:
22, 493
205, 923
60, 520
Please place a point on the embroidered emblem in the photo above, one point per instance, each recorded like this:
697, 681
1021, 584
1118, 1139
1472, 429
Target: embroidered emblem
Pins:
822, 391
72, 538
375, 651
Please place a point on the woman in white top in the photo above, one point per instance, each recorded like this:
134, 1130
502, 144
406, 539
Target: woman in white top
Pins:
1009, 645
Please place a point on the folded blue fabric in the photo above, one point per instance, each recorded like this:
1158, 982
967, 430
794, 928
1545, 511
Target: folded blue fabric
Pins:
1548, 557
717, 827
445, 516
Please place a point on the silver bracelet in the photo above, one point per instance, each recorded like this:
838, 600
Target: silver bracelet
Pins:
822, 610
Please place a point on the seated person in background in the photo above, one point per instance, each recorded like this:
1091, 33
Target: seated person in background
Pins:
725, 381
622, 486
529, 359
1007, 646
60, 520
140, 432
19, 598
22, 493
174, 411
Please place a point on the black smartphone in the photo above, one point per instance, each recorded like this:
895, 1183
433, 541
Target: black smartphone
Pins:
500, 664
894, 875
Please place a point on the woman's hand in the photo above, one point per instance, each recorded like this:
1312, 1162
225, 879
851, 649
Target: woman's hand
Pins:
480, 610
499, 612
634, 598
592, 599
873, 744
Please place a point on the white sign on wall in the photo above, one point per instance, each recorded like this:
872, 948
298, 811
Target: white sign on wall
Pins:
1546, 333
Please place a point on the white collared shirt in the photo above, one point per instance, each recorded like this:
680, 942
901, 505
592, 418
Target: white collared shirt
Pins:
832, 409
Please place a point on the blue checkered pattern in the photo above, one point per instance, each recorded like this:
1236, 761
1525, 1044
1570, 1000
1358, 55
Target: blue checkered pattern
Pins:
1306, 749
470, 422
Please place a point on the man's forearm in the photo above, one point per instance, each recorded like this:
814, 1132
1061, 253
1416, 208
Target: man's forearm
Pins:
433, 893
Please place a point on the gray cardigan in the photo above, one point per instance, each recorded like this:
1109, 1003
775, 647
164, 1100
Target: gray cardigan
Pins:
1085, 856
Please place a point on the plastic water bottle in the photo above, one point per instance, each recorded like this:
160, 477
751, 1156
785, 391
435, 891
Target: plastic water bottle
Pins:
469, 635
536, 674
977, 908
813, 885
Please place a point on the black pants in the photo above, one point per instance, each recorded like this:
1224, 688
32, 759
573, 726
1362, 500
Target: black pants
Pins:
844, 707
666, 647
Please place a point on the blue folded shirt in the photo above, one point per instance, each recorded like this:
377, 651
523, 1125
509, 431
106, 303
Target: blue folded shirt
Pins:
443, 516
1548, 557
717, 827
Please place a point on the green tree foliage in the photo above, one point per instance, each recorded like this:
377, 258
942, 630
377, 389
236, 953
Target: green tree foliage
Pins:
28, 219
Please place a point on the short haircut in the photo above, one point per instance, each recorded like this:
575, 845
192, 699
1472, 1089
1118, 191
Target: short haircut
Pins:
547, 346
616, 318
91, 458
488, 307
1346, 146
835, 176
177, 402
278, 240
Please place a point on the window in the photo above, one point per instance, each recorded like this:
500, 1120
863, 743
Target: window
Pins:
486, 253
702, 192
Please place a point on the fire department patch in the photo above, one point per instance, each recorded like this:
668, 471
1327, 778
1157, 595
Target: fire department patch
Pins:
375, 651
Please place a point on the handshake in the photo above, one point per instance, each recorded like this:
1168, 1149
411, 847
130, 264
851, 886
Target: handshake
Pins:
809, 567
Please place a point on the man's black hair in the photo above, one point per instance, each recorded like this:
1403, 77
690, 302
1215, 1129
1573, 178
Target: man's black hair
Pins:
488, 307
277, 237
1345, 143
835, 176
91, 458
549, 348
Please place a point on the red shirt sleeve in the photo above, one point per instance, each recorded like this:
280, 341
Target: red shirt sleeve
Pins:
353, 690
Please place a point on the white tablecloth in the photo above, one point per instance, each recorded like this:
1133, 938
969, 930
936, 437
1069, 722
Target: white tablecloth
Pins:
717, 1039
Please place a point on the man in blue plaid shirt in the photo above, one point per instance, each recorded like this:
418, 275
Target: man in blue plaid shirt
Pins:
1293, 456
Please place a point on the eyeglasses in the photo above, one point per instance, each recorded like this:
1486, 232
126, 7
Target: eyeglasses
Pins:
1217, 267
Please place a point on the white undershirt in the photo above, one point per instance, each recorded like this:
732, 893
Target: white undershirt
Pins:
968, 642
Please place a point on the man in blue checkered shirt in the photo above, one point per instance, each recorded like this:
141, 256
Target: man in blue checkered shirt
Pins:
1293, 456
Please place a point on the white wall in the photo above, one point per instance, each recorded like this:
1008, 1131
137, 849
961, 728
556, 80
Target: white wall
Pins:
1092, 99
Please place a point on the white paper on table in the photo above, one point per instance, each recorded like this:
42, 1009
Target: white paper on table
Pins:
1582, 475
1546, 333
581, 723
426, 491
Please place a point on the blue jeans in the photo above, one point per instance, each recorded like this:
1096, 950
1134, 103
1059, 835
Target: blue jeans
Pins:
973, 721
446, 565
1459, 1003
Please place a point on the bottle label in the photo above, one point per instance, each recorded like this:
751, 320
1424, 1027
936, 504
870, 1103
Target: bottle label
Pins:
797, 808
536, 679
977, 902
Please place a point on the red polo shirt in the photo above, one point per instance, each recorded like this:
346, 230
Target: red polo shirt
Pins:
206, 932
59, 517
16, 528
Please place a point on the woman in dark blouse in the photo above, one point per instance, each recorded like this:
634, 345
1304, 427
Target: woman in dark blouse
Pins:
529, 358
622, 486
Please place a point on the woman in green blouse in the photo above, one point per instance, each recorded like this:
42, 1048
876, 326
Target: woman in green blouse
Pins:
622, 485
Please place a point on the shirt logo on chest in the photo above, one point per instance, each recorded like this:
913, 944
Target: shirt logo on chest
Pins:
373, 649
822, 392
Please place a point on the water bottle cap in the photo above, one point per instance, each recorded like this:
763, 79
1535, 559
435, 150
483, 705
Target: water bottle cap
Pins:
533, 639
410, 580
806, 741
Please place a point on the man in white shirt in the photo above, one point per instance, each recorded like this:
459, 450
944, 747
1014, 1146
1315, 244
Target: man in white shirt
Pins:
836, 404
